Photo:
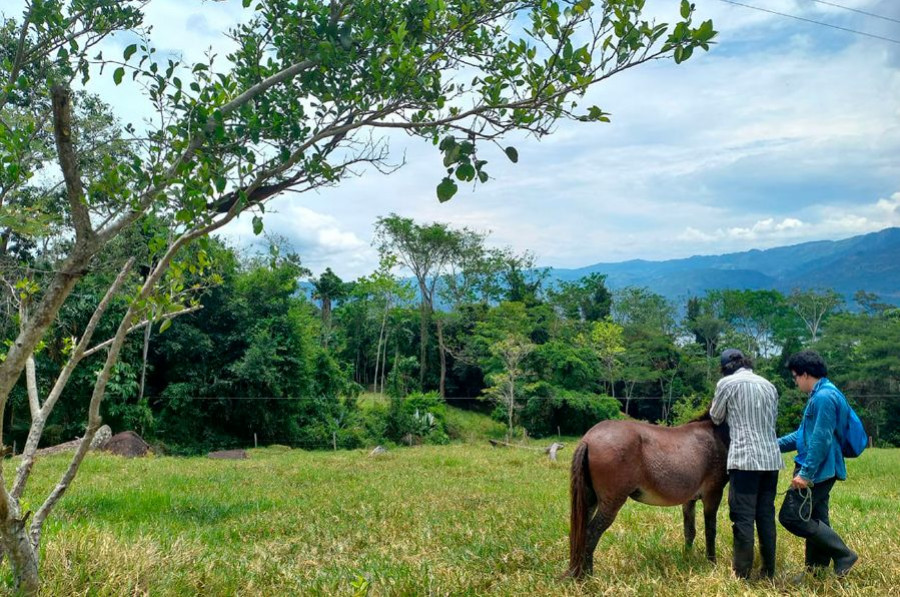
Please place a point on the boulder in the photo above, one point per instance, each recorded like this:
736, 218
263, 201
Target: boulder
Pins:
101, 437
128, 444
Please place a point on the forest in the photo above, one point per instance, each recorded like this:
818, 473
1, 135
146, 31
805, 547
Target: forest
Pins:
265, 353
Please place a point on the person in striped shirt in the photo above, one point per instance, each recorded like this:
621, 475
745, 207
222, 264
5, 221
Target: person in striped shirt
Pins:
749, 404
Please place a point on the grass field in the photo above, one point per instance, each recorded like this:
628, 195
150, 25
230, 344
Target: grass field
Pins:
464, 519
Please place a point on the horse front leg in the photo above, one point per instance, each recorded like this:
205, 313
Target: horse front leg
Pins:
689, 511
711, 503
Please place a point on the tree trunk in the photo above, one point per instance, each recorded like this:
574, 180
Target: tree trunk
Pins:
22, 556
384, 362
443, 353
511, 399
423, 344
144, 365
378, 356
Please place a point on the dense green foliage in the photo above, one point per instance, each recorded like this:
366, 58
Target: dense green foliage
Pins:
262, 362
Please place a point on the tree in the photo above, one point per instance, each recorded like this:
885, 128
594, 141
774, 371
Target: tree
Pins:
644, 308
328, 288
519, 281
870, 302
294, 108
427, 251
704, 319
587, 300
813, 307
511, 351
606, 340
754, 315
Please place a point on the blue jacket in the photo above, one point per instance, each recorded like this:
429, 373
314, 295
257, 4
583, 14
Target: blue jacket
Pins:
818, 450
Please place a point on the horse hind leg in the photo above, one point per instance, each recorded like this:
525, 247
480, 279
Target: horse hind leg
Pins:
603, 517
689, 511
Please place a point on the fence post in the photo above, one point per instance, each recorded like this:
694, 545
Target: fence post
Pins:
255, 443
334, 440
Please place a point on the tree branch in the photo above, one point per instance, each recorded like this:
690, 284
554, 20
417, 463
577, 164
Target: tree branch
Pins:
68, 161
112, 357
38, 421
137, 326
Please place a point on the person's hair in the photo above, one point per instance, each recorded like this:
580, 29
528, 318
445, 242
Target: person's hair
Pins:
809, 362
738, 361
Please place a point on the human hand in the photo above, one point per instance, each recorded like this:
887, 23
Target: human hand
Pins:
799, 482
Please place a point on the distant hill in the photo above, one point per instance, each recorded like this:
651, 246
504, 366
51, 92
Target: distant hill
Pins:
868, 262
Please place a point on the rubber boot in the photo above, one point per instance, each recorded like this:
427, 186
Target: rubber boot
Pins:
816, 559
831, 543
743, 559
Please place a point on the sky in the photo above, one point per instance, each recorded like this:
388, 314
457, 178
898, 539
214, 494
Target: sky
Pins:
786, 131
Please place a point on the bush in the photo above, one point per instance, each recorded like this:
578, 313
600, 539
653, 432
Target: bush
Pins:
549, 409
688, 408
420, 417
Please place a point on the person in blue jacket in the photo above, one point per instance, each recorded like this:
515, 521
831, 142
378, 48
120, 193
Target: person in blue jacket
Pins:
818, 464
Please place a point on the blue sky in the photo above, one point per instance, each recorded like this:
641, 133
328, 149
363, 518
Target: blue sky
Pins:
784, 132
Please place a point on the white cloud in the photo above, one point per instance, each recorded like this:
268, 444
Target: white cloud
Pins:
318, 238
822, 223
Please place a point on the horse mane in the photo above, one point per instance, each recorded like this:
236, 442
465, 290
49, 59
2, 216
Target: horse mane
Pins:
721, 430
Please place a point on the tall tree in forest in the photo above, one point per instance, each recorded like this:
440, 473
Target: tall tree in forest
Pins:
504, 384
427, 251
587, 300
328, 288
813, 307
606, 338
643, 308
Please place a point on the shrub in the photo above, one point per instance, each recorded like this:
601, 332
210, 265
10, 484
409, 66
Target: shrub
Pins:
420, 417
549, 409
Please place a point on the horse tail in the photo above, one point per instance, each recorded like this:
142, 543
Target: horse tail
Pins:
581, 502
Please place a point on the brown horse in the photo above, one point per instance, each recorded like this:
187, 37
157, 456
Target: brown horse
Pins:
660, 466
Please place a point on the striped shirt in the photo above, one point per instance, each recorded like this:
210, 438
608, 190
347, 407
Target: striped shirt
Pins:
749, 403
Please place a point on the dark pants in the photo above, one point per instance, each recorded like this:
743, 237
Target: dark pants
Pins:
751, 501
801, 514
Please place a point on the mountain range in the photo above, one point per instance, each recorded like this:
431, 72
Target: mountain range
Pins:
869, 262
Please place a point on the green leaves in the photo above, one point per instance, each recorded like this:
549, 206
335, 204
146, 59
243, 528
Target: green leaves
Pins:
129, 51
118, 74
446, 189
512, 153
257, 225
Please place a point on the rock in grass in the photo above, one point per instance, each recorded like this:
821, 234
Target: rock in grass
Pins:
102, 436
128, 444
229, 455
378, 450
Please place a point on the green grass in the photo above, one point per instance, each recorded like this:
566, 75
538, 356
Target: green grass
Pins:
464, 519
471, 426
